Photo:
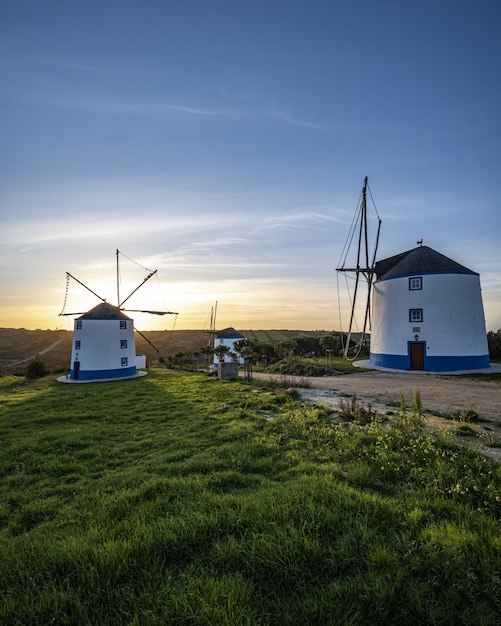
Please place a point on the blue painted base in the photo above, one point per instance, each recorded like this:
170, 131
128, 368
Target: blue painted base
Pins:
432, 363
123, 372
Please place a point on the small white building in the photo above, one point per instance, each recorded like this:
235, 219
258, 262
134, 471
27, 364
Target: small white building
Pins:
427, 314
227, 337
104, 346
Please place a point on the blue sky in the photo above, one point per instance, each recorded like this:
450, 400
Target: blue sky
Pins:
225, 144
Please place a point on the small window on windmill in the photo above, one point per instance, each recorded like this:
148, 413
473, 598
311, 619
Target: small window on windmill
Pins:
79, 324
415, 283
124, 361
77, 345
123, 324
415, 315
123, 343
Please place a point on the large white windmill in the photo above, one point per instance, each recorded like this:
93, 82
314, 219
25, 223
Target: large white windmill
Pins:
423, 310
428, 314
104, 346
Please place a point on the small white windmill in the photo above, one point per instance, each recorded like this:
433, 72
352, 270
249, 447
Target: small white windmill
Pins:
104, 345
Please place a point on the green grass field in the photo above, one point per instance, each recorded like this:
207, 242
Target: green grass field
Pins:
181, 499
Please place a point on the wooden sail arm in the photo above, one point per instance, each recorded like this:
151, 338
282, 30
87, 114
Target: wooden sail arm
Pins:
138, 287
88, 288
357, 270
146, 339
152, 312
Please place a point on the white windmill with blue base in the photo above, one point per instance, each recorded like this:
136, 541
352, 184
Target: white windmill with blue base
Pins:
104, 347
423, 311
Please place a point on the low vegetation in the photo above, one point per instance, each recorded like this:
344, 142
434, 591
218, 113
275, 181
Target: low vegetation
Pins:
494, 344
181, 499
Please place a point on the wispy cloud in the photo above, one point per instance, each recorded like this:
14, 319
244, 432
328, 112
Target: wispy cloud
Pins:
287, 117
297, 220
70, 84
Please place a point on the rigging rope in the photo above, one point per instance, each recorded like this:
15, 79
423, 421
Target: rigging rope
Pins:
373, 203
66, 293
351, 234
174, 322
135, 262
339, 311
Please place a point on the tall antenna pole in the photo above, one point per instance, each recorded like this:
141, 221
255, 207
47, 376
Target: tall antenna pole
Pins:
118, 281
210, 325
364, 219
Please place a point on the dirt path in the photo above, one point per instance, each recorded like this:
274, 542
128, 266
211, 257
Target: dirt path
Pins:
30, 358
444, 394
438, 393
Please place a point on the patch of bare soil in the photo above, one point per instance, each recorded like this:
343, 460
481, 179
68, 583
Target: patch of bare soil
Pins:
440, 396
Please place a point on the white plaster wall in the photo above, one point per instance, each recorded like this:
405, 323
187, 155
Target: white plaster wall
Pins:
453, 316
100, 344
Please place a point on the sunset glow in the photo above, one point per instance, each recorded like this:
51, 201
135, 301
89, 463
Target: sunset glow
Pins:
225, 145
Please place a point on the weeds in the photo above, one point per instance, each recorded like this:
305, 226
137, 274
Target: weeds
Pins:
353, 411
469, 415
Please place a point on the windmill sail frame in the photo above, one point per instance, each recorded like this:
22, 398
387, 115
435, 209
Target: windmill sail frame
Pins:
120, 306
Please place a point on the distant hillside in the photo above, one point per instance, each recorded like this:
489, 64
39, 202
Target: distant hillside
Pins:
18, 345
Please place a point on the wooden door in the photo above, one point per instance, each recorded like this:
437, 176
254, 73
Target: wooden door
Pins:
417, 356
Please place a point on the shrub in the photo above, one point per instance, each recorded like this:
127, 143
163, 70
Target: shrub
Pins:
353, 411
36, 369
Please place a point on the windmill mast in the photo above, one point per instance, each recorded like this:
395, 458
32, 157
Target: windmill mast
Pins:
363, 268
212, 326
118, 279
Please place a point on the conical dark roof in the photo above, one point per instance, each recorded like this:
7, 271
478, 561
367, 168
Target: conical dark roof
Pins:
420, 260
229, 333
104, 311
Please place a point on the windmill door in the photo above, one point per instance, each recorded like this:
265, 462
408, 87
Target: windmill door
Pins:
76, 369
417, 356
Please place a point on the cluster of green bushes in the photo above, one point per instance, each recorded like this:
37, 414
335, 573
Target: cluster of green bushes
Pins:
281, 356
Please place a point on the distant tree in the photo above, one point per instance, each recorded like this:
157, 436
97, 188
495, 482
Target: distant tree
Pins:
286, 349
307, 345
494, 344
245, 348
220, 351
264, 352
330, 342
207, 351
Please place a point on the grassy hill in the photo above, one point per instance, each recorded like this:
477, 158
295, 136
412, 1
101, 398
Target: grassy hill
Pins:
54, 346
181, 499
